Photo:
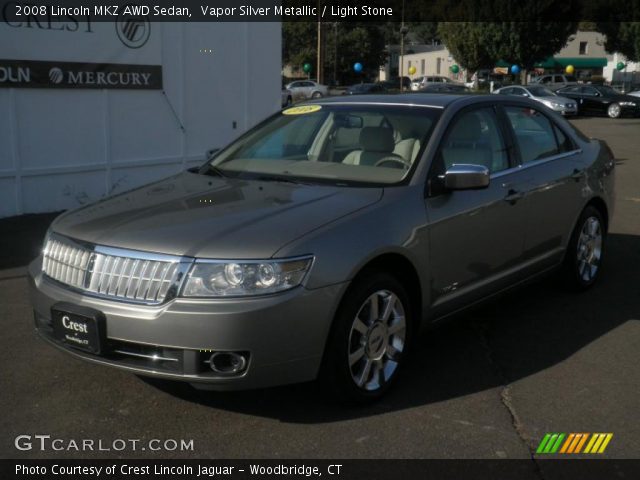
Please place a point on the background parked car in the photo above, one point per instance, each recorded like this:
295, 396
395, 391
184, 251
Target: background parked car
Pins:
422, 82
599, 99
365, 88
565, 106
305, 89
635, 94
287, 97
555, 81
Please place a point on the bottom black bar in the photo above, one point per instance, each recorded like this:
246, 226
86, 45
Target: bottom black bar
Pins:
560, 469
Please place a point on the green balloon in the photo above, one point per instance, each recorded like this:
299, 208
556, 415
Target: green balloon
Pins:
455, 68
306, 67
620, 65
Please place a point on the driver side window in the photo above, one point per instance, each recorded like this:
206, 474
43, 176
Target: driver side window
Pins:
475, 138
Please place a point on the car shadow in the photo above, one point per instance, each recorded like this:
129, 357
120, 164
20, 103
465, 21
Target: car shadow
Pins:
518, 335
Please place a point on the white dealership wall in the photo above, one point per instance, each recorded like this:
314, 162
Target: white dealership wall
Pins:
61, 148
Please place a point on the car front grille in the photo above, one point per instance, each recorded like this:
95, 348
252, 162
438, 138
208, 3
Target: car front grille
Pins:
126, 275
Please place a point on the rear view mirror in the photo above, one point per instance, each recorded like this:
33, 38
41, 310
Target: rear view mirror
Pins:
466, 177
349, 121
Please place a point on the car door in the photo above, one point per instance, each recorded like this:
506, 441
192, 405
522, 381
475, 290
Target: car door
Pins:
476, 236
592, 100
574, 93
553, 162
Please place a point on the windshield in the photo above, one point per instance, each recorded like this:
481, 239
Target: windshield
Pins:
541, 92
338, 144
605, 90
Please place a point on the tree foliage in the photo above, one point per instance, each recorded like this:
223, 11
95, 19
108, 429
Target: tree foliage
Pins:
623, 37
467, 42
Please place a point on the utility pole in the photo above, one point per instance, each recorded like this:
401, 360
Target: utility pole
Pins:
403, 32
319, 47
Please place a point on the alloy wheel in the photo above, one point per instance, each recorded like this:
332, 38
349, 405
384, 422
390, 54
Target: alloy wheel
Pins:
614, 110
589, 249
377, 340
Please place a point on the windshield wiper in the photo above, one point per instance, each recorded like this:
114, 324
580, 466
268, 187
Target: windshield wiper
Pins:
282, 179
212, 170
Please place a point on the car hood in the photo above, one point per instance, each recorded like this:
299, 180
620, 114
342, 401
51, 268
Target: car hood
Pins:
212, 217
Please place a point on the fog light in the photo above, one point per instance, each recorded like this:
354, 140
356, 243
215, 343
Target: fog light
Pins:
227, 363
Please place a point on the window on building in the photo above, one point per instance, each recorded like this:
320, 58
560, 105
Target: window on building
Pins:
584, 48
438, 63
422, 66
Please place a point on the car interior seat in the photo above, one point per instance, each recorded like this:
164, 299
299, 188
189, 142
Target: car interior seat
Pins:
376, 143
466, 144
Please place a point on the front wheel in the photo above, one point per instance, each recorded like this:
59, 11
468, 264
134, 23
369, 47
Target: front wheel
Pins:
316, 95
614, 110
583, 261
369, 339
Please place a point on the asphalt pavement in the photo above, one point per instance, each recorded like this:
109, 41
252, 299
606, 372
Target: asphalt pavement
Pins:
488, 385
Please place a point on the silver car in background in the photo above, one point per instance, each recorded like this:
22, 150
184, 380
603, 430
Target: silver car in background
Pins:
316, 244
562, 105
307, 89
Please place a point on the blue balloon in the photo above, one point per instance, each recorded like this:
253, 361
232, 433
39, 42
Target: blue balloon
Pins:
515, 69
357, 67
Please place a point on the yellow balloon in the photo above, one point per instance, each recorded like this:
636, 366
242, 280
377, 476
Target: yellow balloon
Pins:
570, 69
412, 70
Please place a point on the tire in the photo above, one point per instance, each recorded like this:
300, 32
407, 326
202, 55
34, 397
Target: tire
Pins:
316, 95
289, 101
583, 259
614, 110
365, 351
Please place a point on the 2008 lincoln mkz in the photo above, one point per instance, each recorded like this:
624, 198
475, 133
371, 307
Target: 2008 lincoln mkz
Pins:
314, 246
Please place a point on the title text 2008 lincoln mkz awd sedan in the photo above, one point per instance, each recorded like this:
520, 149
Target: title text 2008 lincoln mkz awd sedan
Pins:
315, 244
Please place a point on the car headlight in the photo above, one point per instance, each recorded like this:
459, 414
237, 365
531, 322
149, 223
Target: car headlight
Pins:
212, 278
628, 104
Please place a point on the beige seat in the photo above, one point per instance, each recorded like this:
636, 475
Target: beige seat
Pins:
376, 143
408, 149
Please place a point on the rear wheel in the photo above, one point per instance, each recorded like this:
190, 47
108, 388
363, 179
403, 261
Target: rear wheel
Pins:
614, 110
369, 339
583, 261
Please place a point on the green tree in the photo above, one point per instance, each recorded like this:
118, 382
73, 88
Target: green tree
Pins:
623, 37
299, 44
526, 43
467, 42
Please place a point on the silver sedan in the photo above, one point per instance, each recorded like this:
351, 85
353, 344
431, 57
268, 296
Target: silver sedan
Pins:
562, 105
307, 89
316, 245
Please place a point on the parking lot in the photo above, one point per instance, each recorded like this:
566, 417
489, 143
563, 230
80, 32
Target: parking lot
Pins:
488, 385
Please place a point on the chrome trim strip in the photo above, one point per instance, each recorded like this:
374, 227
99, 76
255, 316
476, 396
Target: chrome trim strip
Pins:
155, 358
535, 163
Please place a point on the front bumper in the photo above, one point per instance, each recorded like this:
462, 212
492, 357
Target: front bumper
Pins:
283, 335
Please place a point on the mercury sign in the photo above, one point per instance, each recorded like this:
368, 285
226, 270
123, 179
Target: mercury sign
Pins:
45, 51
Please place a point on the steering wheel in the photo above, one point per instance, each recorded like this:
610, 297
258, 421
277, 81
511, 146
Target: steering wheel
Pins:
394, 161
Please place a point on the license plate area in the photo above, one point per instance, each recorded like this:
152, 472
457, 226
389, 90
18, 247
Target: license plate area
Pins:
79, 327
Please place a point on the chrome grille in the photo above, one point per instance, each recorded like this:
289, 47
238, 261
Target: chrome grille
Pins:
114, 273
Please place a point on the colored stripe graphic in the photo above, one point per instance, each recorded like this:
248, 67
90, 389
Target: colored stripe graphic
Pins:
574, 442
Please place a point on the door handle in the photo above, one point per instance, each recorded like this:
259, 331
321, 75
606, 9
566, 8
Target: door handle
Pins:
513, 196
577, 174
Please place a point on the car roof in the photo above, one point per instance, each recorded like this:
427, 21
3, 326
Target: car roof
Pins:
422, 99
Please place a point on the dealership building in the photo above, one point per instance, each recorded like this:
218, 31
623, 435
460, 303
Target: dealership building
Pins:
92, 108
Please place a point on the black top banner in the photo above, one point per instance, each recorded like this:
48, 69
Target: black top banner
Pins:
53, 13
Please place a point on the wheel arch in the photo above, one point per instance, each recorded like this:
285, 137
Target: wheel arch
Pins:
404, 271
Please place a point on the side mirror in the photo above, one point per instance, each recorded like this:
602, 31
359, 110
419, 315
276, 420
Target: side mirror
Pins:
210, 154
466, 177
